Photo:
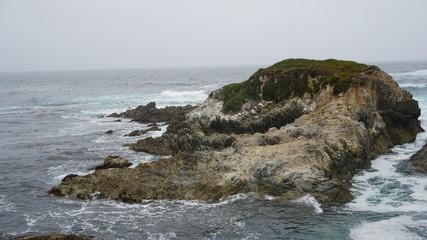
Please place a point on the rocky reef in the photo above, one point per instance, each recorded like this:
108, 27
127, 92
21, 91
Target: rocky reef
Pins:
298, 127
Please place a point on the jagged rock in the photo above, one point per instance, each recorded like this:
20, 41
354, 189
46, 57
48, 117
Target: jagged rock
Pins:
298, 127
69, 176
184, 141
419, 160
114, 162
109, 132
141, 132
150, 114
136, 133
53, 237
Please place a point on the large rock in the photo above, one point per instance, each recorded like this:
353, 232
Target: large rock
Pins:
298, 127
112, 162
150, 114
135, 133
419, 160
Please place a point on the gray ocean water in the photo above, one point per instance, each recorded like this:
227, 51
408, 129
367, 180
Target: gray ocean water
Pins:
51, 125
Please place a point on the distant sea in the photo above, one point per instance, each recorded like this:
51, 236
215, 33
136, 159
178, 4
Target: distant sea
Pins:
52, 124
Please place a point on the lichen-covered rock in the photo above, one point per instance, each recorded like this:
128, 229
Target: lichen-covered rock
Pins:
419, 160
113, 162
299, 127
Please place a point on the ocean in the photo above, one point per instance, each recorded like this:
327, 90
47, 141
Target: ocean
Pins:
52, 124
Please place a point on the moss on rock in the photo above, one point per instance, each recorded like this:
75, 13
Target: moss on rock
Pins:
290, 78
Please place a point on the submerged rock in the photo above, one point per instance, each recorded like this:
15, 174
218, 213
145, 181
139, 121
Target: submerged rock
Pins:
419, 160
113, 162
109, 132
298, 127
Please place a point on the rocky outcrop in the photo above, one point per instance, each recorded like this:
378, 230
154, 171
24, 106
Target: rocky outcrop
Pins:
135, 133
113, 162
298, 127
150, 114
419, 160
54, 237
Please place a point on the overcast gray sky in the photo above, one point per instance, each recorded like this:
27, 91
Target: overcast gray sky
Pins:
101, 34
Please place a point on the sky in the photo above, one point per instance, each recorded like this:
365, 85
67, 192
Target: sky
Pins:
112, 34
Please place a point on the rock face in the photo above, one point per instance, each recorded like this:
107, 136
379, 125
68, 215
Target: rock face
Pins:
112, 162
135, 133
298, 127
151, 114
419, 160
53, 237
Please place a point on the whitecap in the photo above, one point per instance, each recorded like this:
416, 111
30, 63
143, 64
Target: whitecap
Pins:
384, 189
394, 228
310, 200
169, 93
6, 205
419, 73
413, 85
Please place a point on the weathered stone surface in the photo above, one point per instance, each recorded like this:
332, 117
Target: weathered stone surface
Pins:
69, 176
135, 133
151, 114
113, 162
53, 237
419, 160
292, 131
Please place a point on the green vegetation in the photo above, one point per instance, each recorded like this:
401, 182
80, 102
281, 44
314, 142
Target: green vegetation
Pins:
290, 78
332, 66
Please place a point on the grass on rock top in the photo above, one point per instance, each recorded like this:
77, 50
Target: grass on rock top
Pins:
330, 65
289, 78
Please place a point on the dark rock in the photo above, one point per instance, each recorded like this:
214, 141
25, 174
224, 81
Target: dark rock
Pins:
141, 132
136, 133
419, 160
153, 128
149, 113
117, 120
114, 162
115, 115
109, 132
69, 176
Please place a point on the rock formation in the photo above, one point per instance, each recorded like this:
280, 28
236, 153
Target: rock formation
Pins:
135, 133
113, 162
298, 127
419, 160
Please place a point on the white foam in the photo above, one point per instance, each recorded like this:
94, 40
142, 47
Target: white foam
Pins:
390, 229
310, 200
414, 85
170, 98
6, 205
418, 73
161, 236
384, 189
169, 93
270, 198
